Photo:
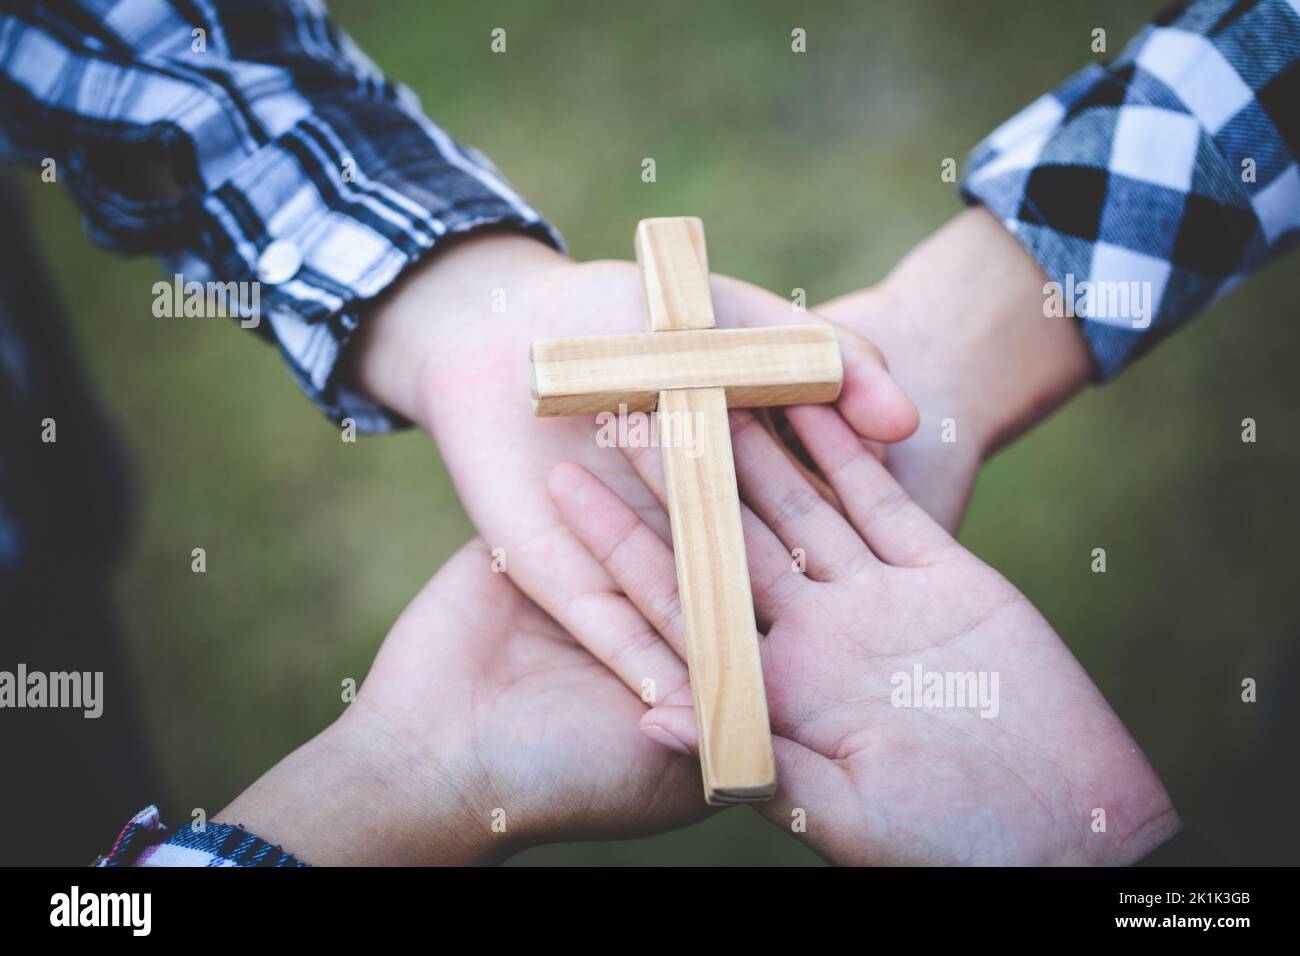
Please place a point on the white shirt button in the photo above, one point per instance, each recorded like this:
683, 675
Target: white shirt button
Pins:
279, 262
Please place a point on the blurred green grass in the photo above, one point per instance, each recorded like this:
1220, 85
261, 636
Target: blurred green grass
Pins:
817, 171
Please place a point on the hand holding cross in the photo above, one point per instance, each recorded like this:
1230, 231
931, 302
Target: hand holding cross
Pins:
693, 375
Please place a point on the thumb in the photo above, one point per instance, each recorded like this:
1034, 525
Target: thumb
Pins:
672, 727
872, 402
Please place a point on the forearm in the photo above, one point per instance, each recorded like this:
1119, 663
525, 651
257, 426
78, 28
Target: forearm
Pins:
974, 299
344, 799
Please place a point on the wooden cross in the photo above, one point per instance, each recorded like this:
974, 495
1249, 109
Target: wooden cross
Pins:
689, 372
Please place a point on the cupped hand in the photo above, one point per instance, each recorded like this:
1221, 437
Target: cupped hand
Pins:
528, 725
1036, 770
482, 728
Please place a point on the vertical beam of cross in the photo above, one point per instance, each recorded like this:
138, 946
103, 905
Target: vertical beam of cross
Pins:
704, 507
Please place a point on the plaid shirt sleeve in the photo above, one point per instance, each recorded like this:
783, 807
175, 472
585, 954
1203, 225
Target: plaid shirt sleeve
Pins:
145, 841
300, 166
1150, 187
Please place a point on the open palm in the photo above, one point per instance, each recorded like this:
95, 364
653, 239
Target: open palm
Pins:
887, 591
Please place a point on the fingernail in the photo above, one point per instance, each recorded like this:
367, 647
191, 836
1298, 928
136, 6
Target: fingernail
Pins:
661, 736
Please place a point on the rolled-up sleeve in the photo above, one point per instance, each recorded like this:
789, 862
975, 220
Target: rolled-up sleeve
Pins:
298, 168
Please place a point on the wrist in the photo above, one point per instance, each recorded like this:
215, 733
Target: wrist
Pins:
433, 305
976, 298
359, 794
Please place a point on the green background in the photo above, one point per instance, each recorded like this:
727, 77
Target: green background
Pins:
815, 170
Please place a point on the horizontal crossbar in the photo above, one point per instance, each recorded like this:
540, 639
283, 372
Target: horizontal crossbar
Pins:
777, 365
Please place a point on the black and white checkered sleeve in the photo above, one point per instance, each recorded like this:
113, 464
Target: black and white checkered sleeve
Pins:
1148, 188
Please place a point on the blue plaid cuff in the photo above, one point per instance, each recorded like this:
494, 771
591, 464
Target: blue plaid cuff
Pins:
359, 191
145, 841
1148, 188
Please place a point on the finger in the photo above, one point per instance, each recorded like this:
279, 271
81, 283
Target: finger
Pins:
772, 418
672, 727
790, 506
773, 579
940, 483
871, 401
892, 524
601, 619
587, 603
616, 536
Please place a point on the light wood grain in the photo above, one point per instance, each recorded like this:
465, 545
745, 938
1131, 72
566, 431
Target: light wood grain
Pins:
717, 610
674, 273
779, 365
